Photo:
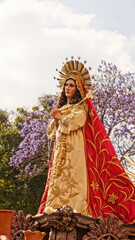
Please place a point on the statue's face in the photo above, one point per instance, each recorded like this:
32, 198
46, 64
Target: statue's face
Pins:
70, 89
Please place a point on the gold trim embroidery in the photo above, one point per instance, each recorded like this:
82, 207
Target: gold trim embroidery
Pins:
112, 198
94, 185
62, 169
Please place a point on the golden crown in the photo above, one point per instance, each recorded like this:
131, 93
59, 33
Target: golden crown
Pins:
75, 69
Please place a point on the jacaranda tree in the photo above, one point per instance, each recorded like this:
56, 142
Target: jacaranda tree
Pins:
115, 101
34, 151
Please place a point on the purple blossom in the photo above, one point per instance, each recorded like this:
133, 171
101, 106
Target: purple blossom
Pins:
33, 151
115, 101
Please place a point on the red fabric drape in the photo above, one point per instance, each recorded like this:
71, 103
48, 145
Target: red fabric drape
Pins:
44, 197
110, 189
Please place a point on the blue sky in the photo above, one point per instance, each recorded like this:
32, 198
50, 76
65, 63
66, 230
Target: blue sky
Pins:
112, 15
37, 35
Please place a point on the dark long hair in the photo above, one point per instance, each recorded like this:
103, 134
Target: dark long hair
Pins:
63, 99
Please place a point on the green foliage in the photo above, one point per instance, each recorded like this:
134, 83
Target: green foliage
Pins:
9, 139
31, 195
16, 192
3, 116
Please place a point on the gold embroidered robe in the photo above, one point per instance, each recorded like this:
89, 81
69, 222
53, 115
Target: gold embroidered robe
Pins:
68, 179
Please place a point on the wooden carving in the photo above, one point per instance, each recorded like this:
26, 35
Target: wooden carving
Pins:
109, 229
21, 223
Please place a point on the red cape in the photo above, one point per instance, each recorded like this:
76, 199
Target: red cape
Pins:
110, 189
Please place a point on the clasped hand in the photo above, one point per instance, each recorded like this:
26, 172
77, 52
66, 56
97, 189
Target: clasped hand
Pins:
56, 114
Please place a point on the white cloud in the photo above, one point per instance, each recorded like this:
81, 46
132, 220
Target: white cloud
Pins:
36, 36
51, 14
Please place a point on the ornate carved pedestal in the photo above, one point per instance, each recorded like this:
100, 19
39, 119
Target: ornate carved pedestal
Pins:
66, 225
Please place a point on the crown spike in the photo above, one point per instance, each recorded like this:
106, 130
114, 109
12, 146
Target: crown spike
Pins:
76, 64
84, 71
80, 66
61, 79
62, 73
86, 76
68, 66
71, 63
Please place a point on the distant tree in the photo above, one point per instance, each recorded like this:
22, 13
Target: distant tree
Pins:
115, 103
9, 140
35, 149
16, 191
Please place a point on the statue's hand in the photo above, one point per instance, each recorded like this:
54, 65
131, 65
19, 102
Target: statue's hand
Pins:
56, 114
